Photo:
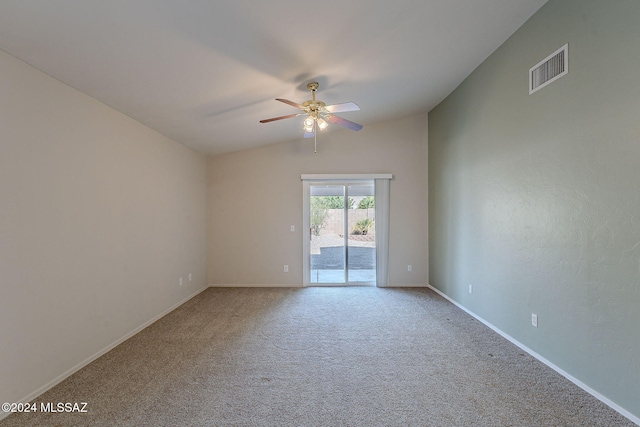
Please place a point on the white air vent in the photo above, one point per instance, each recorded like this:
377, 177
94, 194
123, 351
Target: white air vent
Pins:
549, 69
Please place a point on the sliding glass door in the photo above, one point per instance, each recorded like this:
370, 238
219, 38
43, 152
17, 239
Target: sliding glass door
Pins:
342, 238
361, 234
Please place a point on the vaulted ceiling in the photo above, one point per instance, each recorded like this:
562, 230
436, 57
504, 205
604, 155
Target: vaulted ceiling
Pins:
205, 72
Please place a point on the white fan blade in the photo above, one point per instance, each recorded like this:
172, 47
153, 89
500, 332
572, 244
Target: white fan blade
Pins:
343, 122
342, 108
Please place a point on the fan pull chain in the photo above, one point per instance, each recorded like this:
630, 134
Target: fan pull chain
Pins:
315, 137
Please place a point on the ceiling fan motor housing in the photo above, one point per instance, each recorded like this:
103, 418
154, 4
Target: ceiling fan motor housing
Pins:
313, 106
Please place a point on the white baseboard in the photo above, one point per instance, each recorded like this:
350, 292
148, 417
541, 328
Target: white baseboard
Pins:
571, 378
407, 285
65, 375
262, 285
255, 285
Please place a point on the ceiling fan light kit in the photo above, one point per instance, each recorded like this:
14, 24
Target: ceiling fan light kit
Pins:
318, 114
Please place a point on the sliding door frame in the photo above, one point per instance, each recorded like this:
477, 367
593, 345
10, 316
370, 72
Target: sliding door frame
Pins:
381, 185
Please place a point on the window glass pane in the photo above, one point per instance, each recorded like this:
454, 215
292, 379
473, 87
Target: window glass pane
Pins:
361, 253
327, 246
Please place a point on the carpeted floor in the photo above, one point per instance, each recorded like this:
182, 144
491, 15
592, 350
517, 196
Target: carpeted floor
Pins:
359, 356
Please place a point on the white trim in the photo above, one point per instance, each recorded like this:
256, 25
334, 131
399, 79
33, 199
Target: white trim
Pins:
568, 376
342, 177
76, 368
280, 285
253, 285
407, 285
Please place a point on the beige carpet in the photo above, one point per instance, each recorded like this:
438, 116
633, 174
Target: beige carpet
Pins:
358, 356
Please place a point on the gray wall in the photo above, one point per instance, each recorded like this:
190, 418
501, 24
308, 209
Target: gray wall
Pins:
256, 195
535, 199
99, 217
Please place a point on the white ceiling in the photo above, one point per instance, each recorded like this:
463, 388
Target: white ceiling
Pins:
204, 72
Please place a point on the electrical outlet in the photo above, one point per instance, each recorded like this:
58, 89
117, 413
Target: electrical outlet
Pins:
293, 228
470, 288
190, 277
534, 320
180, 282
286, 268
409, 267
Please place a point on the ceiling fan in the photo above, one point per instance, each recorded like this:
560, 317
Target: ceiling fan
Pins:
318, 113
